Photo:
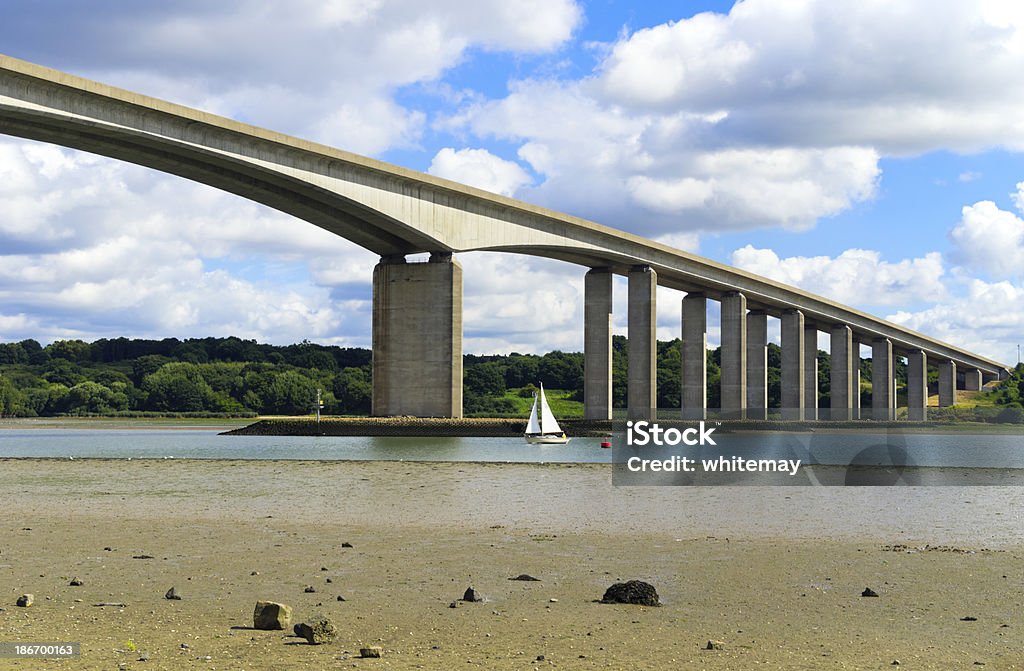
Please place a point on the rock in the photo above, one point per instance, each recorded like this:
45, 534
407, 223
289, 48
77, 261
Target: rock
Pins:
172, 594
715, 645
108, 549
329, 581
25, 600
75, 582
371, 652
633, 592
271, 615
341, 598
525, 577
969, 618
453, 604
309, 589
317, 631
142, 557
255, 573
540, 658
346, 544
471, 595
869, 592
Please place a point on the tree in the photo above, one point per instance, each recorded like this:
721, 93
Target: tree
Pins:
354, 391
178, 387
291, 393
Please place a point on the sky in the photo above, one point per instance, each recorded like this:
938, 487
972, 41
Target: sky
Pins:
869, 152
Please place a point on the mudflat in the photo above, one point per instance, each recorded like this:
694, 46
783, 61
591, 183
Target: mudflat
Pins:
774, 575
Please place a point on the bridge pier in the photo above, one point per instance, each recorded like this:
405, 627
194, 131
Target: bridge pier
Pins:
757, 364
734, 355
841, 376
855, 411
882, 380
417, 337
694, 395
917, 386
972, 379
793, 365
597, 344
947, 384
810, 373
642, 394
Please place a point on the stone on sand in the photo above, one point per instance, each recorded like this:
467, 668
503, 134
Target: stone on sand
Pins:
317, 631
635, 592
271, 615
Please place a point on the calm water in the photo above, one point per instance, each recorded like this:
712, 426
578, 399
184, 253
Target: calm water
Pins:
952, 451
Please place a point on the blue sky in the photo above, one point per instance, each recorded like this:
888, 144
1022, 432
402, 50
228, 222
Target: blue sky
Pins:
866, 152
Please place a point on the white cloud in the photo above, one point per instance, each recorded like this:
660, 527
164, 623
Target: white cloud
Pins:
986, 319
857, 276
479, 168
989, 240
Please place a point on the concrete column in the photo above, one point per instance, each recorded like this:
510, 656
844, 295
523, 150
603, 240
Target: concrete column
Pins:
793, 365
695, 357
757, 364
947, 384
810, 373
881, 380
972, 379
417, 337
841, 377
855, 412
734, 355
642, 395
597, 344
917, 386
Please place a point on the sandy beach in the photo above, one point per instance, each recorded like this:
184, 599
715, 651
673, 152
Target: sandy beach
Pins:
773, 573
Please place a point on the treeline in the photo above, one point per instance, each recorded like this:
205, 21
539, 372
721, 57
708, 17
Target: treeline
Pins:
243, 377
207, 375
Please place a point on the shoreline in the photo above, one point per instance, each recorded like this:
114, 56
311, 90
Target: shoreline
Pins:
774, 573
513, 427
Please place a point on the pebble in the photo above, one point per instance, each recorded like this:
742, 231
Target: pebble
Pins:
471, 595
75, 582
309, 589
715, 645
346, 544
525, 577
869, 592
341, 598
25, 600
371, 652
172, 594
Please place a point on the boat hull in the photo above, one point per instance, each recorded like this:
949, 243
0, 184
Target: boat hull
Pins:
547, 439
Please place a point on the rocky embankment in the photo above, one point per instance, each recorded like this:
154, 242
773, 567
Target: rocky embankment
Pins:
409, 426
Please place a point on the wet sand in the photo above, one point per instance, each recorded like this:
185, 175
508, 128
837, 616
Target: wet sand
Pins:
775, 573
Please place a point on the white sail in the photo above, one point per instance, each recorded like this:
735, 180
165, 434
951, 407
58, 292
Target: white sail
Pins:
548, 424
533, 426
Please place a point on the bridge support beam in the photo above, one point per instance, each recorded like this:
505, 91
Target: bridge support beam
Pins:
972, 379
841, 376
734, 355
597, 344
642, 395
917, 386
417, 337
695, 357
810, 373
947, 384
757, 364
882, 381
793, 365
855, 412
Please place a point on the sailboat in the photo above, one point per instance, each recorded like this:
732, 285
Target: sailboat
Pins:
543, 429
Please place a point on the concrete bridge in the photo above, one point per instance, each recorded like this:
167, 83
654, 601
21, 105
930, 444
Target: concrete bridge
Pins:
417, 307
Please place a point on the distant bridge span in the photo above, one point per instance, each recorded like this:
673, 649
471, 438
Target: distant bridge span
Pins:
393, 212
